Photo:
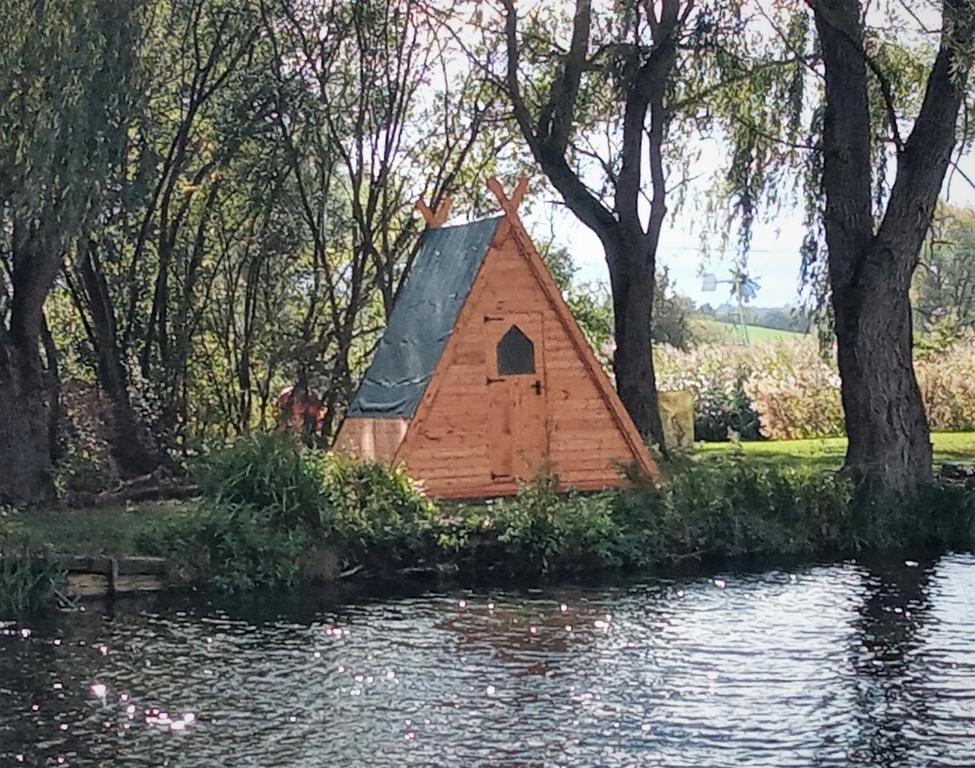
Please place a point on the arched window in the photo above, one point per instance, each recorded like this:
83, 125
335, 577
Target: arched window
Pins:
516, 353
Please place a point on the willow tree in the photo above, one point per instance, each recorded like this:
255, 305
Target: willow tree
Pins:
64, 71
608, 118
872, 251
868, 134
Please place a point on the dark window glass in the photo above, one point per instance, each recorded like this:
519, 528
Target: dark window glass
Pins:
516, 353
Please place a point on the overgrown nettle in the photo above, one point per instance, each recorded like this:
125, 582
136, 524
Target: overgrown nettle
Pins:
65, 88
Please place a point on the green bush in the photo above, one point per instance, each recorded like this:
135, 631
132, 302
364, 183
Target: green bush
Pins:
270, 472
268, 501
373, 506
233, 547
735, 508
329, 496
548, 528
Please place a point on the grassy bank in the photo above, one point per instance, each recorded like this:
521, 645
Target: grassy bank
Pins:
274, 514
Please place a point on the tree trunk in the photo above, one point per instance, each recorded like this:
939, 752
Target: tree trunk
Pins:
25, 455
52, 374
870, 266
889, 442
131, 443
632, 359
630, 247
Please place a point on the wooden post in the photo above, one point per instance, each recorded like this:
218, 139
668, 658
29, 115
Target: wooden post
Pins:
512, 203
435, 219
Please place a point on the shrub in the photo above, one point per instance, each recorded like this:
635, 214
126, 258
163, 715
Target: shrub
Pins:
372, 506
544, 526
735, 508
269, 501
270, 472
234, 547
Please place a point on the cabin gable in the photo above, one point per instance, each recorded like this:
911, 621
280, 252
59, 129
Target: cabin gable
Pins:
513, 348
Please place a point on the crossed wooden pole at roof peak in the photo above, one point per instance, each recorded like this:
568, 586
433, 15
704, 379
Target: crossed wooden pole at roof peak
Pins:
436, 217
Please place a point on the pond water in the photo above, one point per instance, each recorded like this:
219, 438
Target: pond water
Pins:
816, 665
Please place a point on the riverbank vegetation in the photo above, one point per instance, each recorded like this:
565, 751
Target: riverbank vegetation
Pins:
274, 513
204, 242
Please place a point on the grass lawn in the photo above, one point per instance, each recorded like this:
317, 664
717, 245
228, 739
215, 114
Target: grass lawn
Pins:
720, 332
827, 453
104, 530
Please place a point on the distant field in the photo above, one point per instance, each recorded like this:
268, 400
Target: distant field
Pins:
719, 332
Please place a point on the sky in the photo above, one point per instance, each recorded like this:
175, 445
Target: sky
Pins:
774, 259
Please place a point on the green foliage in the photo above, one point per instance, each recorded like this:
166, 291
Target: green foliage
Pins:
25, 584
737, 508
273, 473
543, 525
708, 508
730, 508
943, 289
671, 324
269, 501
375, 507
66, 74
233, 547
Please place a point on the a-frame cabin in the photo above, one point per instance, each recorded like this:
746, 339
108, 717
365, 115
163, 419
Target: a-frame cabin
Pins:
483, 380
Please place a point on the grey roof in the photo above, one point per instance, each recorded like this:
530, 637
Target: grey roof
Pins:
423, 319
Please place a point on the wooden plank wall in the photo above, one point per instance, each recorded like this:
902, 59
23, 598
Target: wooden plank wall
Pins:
446, 447
373, 439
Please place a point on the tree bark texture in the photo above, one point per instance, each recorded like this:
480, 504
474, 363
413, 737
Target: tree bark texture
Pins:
871, 264
25, 448
25, 451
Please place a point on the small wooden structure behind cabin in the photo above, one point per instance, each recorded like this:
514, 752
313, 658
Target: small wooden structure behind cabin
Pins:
483, 379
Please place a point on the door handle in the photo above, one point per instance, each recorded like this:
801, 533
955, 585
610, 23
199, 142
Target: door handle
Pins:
537, 386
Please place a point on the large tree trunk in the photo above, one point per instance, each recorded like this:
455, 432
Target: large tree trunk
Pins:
632, 359
25, 453
889, 442
870, 266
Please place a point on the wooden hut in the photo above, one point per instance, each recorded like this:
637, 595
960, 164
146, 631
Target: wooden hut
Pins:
483, 379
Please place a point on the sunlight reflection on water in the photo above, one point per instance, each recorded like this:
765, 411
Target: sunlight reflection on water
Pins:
819, 665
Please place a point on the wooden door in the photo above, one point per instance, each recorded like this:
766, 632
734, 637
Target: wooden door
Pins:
517, 418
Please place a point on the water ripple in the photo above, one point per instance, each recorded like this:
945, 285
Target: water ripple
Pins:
827, 665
